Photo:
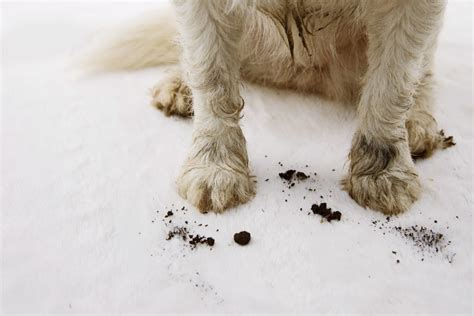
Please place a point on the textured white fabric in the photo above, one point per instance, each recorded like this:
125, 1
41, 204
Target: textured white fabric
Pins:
86, 163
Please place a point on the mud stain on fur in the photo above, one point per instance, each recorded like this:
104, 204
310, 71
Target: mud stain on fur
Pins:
369, 157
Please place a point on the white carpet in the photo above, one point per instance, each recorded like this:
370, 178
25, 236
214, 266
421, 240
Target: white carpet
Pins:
87, 163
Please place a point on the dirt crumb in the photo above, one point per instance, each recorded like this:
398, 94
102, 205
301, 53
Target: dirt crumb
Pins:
334, 216
326, 212
287, 175
201, 240
210, 241
292, 176
321, 209
242, 238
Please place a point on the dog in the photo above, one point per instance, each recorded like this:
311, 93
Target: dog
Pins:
375, 54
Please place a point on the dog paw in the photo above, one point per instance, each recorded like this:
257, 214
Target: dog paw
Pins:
173, 97
215, 188
447, 141
390, 191
382, 176
424, 138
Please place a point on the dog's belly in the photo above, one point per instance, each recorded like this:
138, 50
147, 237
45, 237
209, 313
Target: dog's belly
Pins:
325, 54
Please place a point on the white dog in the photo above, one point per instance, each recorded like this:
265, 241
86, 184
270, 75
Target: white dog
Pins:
376, 53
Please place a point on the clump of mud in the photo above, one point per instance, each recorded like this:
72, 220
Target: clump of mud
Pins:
200, 240
325, 212
242, 238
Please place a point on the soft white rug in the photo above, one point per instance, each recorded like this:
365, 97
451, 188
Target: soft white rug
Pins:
88, 170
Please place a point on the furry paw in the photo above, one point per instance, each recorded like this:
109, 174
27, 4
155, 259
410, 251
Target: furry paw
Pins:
173, 97
424, 137
382, 176
215, 188
391, 191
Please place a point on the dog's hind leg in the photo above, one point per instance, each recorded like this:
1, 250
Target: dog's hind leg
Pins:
382, 174
172, 96
424, 136
215, 175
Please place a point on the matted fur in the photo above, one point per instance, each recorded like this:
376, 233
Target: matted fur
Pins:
377, 54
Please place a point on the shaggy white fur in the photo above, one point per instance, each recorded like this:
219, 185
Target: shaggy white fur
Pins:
377, 55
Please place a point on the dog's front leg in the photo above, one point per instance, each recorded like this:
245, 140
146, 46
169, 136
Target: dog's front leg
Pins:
382, 175
215, 175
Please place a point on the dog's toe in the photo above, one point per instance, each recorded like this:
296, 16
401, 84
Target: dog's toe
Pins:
215, 189
424, 138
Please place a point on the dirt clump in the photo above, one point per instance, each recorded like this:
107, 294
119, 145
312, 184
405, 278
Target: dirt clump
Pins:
200, 240
292, 176
242, 238
287, 175
325, 212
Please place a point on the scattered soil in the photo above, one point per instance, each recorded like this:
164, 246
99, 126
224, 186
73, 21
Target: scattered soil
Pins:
182, 231
242, 238
178, 231
193, 240
200, 240
423, 240
290, 176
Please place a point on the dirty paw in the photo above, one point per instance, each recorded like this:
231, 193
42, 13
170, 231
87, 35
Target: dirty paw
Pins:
213, 188
390, 192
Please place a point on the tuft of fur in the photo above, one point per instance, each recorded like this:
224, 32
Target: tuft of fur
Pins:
151, 41
172, 96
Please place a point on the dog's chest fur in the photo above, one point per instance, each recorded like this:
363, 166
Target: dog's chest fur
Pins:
309, 45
